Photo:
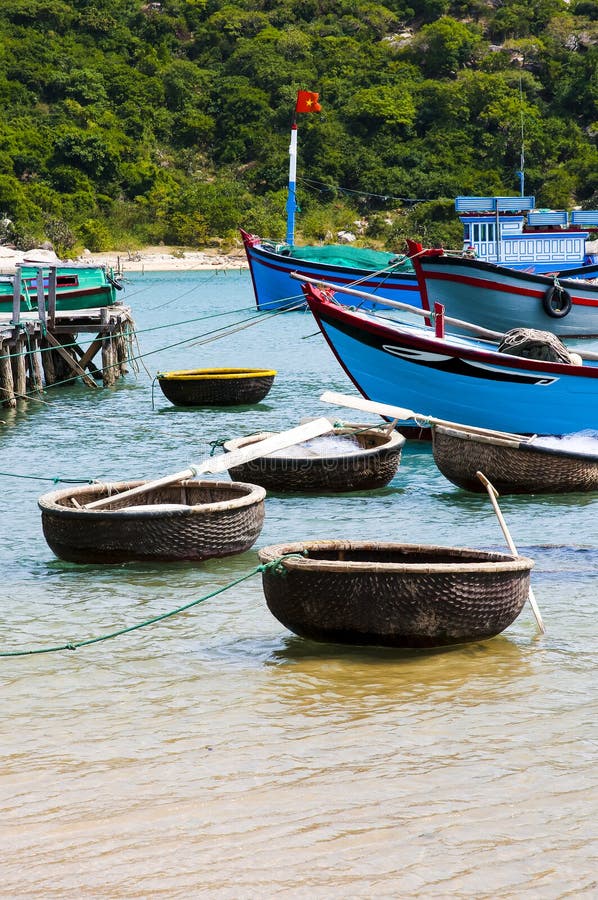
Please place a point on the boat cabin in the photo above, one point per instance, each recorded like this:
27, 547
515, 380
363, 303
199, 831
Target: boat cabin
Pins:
510, 231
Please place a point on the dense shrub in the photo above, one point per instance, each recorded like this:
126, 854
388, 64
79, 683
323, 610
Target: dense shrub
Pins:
123, 123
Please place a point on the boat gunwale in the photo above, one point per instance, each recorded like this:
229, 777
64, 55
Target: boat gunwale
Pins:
300, 563
394, 441
215, 374
385, 272
252, 494
525, 445
451, 344
545, 279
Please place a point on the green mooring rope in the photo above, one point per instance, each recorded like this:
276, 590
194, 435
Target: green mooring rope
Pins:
274, 565
55, 480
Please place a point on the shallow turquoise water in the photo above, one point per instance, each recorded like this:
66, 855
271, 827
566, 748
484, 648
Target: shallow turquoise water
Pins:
215, 754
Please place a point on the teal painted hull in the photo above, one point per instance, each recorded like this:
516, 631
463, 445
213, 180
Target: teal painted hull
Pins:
77, 287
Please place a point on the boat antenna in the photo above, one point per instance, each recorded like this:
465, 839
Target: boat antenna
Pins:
307, 101
521, 171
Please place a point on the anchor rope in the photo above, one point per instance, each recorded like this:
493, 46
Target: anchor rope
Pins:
133, 335
136, 331
75, 645
55, 480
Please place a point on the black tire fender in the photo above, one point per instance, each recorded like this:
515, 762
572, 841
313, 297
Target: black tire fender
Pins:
556, 302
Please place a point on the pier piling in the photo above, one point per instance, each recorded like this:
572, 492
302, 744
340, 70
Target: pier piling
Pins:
39, 343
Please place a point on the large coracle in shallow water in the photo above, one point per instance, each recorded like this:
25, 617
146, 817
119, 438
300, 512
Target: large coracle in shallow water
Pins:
390, 594
191, 520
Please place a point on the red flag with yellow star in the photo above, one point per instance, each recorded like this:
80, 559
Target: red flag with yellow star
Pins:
307, 101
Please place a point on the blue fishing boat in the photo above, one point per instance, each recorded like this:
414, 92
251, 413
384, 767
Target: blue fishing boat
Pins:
386, 275
500, 298
456, 378
509, 231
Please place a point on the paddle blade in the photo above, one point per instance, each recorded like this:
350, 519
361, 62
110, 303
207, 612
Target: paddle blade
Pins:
380, 409
262, 448
226, 461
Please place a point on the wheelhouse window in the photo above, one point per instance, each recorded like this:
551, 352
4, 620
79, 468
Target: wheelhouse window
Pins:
483, 232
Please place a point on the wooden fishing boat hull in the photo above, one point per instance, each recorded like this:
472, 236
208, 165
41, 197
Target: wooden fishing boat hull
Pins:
373, 467
216, 387
275, 289
513, 467
456, 379
396, 595
499, 298
191, 520
77, 287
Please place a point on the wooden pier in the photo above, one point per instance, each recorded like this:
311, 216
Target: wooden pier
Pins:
40, 348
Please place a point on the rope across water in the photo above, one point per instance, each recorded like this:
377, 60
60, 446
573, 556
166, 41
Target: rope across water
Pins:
275, 565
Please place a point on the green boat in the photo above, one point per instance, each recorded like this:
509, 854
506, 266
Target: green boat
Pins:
77, 287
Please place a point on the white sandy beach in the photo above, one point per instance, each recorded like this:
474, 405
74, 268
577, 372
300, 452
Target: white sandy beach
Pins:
148, 259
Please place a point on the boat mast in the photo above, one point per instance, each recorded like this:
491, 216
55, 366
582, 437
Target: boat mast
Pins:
292, 193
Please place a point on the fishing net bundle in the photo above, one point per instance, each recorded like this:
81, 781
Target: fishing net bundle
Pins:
533, 344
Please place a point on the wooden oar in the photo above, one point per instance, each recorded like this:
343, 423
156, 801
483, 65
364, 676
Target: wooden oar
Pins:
493, 494
398, 412
227, 460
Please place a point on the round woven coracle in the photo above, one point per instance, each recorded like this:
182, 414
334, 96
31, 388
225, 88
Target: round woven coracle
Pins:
190, 520
390, 594
350, 458
513, 467
216, 387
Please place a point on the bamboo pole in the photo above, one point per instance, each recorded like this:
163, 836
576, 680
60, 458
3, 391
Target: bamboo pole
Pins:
41, 298
390, 411
405, 307
16, 297
108, 376
493, 494
215, 464
51, 296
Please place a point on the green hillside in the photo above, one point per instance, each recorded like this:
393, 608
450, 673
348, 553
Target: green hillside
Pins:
125, 123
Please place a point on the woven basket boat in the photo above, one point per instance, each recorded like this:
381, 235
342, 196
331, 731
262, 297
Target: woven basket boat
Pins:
390, 594
190, 520
514, 466
216, 387
370, 461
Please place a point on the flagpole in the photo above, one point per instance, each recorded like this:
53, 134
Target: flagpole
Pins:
307, 101
292, 193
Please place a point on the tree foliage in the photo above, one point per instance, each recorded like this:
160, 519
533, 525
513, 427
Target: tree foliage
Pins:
130, 121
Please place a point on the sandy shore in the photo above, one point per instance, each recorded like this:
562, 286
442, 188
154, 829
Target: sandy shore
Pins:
148, 259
